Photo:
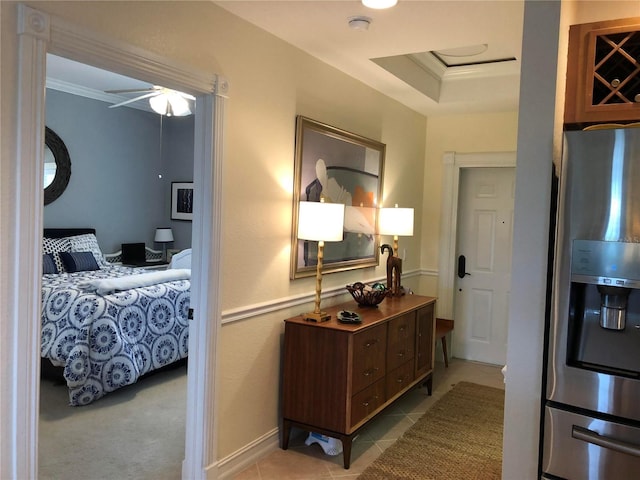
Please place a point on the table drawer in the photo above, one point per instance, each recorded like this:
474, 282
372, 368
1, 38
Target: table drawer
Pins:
400, 378
367, 401
401, 340
369, 357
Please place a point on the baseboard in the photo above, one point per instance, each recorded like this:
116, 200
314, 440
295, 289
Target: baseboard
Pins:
248, 455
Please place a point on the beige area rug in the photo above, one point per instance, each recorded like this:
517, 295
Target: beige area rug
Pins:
459, 438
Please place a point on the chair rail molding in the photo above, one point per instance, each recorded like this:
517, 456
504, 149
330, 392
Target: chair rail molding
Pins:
38, 34
453, 163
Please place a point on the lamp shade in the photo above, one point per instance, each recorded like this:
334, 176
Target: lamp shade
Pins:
163, 235
321, 221
396, 221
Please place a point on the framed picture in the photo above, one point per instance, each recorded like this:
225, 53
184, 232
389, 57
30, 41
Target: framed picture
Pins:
341, 167
181, 200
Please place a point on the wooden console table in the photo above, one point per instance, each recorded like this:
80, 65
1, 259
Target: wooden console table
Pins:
337, 377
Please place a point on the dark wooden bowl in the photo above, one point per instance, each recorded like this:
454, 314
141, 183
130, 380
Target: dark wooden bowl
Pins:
366, 295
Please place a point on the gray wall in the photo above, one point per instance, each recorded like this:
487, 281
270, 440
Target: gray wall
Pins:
116, 161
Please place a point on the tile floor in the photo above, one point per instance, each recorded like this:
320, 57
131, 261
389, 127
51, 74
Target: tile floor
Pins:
301, 462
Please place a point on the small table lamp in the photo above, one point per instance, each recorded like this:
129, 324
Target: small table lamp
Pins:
397, 222
321, 222
164, 235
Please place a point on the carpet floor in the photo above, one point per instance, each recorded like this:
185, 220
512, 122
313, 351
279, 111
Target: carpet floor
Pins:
460, 437
135, 433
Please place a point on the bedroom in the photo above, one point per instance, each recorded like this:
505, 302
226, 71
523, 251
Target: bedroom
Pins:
260, 132
120, 185
121, 173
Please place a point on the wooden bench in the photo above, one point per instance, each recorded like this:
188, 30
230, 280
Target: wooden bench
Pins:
444, 326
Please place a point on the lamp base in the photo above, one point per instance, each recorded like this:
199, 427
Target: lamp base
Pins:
317, 317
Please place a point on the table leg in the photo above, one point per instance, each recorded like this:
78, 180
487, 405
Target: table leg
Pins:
429, 384
346, 451
286, 431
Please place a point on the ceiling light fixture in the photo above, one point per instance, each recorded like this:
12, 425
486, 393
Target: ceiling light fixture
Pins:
379, 4
171, 103
359, 23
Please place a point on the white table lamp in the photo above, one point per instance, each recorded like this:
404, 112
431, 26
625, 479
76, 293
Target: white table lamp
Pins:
164, 235
321, 222
397, 222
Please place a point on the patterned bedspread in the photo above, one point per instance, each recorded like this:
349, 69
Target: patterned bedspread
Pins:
107, 342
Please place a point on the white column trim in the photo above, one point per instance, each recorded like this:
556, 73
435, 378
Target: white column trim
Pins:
204, 329
40, 34
452, 164
33, 31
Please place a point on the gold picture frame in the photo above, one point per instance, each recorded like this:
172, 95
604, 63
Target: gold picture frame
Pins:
342, 167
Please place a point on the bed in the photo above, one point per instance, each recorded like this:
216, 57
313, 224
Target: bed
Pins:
107, 325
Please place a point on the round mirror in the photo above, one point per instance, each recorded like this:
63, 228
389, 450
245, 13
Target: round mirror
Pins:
57, 166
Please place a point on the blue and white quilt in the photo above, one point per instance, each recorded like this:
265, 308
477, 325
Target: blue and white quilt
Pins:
105, 342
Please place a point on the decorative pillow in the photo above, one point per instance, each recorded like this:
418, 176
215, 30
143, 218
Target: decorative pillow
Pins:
55, 246
48, 264
79, 261
88, 243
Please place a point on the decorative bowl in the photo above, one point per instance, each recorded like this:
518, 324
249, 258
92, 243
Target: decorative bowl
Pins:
368, 295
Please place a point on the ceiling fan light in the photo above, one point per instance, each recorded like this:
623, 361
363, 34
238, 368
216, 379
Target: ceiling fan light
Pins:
179, 105
379, 4
170, 104
159, 104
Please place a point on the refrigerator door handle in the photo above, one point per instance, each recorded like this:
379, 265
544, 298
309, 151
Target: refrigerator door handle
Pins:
589, 436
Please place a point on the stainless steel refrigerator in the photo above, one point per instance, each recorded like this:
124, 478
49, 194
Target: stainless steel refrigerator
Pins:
591, 427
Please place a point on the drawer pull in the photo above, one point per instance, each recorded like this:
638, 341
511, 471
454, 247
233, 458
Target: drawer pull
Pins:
371, 371
366, 403
400, 354
370, 343
589, 436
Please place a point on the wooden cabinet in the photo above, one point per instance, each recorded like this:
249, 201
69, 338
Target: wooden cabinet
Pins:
603, 72
337, 377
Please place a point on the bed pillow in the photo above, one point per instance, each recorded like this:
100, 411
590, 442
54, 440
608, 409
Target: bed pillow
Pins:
79, 261
55, 246
48, 264
88, 243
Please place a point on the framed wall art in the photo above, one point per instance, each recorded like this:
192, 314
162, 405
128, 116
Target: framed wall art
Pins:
341, 167
181, 200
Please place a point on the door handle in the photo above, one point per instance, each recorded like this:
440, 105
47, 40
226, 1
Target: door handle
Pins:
462, 266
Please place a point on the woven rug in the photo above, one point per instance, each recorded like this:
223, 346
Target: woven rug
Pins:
458, 438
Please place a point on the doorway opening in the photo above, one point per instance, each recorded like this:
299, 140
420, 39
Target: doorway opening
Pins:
453, 165
205, 279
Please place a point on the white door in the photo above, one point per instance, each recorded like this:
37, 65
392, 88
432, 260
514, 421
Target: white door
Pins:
483, 247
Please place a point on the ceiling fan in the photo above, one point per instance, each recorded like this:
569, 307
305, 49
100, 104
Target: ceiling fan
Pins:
163, 100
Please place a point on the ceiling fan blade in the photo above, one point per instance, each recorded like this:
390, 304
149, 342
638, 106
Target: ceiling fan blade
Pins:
134, 90
152, 94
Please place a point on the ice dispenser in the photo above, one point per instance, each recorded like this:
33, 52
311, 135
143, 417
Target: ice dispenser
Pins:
613, 306
604, 316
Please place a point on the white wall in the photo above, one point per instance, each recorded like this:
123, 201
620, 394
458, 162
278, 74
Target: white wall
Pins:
530, 240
